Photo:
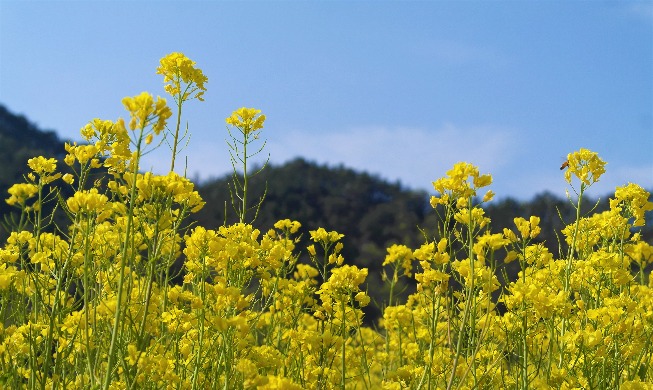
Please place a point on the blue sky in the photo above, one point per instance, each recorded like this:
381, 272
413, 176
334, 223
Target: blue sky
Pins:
400, 89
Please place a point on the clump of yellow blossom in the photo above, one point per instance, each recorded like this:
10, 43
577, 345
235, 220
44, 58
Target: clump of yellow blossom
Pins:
633, 200
248, 120
585, 165
144, 111
322, 236
461, 182
400, 254
176, 69
21, 192
528, 229
286, 224
44, 168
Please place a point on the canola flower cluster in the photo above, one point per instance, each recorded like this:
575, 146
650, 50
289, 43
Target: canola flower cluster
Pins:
125, 294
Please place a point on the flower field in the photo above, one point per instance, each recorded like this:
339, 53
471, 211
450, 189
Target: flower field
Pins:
97, 302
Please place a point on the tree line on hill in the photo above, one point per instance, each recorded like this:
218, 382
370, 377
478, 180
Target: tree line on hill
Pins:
372, 213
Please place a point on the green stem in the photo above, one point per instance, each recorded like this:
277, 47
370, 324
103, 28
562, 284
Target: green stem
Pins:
243, 210
87, 265
176, 139
468, 296
126, 245
343, 376
202, 314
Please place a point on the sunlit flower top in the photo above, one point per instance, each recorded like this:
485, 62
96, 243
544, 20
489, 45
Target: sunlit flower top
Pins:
247, 120
144, 111
633, 201
461, 183
585, 165
176, 69
45, 168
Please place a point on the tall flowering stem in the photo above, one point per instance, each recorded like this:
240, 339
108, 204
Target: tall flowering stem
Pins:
248, 122
461, 222
184, 82
587, 167
147, 118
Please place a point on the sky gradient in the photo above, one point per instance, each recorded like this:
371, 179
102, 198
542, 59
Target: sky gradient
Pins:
399, 89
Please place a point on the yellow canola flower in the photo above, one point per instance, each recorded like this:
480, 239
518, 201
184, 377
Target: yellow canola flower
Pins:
305, 272
102, 130
482, 275
109, 144
286, 224
489, 241
477, 217
87, 202
182, 190
461, 181
429, 253
585, 165
400, 254
176, 69
636, 385
68, 178
321, 235
275, 382
362, 298
44, 168
144, 111
20, 193
248, 120
7, 275
81, 153
489, 195
344, 280
641, 253
431, 278
634, 201
41, 165
528, 229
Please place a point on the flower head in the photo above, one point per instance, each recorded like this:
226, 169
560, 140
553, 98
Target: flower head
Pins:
176, 69
247, 120
44, 168
528, 228
144, 111
462, 181
322, 236
41, 165
633, 201
585, 165
400, 255
21, 192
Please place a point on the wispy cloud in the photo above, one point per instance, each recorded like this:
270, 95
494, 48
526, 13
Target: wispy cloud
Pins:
641, 9
456, 53
524, 185
415, 156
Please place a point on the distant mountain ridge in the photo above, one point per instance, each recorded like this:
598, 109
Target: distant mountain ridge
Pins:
17, 130
372, 213
21, 140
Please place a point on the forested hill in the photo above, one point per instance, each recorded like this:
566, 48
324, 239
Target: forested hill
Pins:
21, 140
372, 213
